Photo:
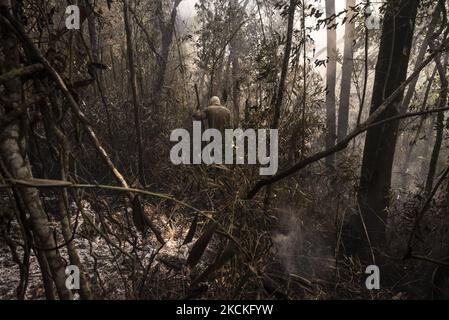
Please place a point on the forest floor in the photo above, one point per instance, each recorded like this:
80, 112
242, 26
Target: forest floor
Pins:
292, 249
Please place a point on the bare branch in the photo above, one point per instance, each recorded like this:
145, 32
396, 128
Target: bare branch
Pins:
368, 124
22, 72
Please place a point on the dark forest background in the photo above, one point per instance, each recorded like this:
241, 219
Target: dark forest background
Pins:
85, 171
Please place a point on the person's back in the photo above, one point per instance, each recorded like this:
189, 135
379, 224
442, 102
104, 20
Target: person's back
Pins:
218, 117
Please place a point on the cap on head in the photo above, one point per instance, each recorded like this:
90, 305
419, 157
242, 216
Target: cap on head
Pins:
215, 101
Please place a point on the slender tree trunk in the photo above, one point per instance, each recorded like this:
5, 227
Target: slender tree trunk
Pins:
302, 131
426, 149
134, 93
420, 57
236, 89
380, 143
94, 39
346, 77
167, 30
140, 75
412, 89
226, 79
435, 152
442, 100
63, 203
281, 88
285, 63
67, 232
234, 58
49, 288
331, 78
93, 33
409, 147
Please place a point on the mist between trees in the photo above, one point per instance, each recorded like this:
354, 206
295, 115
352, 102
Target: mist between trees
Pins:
134, 149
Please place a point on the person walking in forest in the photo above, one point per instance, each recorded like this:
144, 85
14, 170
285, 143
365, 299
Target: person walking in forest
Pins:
217, 116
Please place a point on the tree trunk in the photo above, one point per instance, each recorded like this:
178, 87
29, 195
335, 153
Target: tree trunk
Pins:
63, 202
426, 149
410, 146
134, 93
346, 77
331, 77
234, 58
405, 141
285, 63
442, 100
420, 57
281, 88
167, 30
94, 40
380, 143
15, 164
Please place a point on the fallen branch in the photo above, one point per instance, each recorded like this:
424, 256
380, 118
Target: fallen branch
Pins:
46, 183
